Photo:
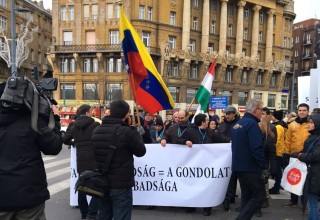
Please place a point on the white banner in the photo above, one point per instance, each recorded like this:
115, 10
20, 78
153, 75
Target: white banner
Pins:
304, 89
180, 176
314, 88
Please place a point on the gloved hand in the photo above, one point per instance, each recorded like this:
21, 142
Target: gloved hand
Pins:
141, 130
265, 175
294, 155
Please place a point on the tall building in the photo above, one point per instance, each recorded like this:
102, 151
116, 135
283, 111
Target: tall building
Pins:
42, 39
251, 40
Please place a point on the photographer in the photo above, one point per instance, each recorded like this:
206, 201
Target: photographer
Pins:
23, 183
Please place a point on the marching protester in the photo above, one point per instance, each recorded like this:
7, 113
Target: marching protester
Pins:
159, 131
213, 125
281, 128
118, 202
248, 161
311, 156
23, 181
224, 129
81, 134
296, 134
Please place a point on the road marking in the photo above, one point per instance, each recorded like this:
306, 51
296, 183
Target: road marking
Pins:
58, 187
59, 172
56, 163
48, 158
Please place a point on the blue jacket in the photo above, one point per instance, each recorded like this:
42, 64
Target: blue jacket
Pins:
247, 145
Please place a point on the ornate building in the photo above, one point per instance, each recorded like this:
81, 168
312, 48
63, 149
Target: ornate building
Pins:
251, 40
42, 39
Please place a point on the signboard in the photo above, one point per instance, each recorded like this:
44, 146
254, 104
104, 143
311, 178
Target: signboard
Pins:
218, 102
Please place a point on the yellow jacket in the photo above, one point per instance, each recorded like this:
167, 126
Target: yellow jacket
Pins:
281, 136
295, 137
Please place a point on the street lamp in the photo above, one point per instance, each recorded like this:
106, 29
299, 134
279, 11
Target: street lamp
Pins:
14, 37
292, 87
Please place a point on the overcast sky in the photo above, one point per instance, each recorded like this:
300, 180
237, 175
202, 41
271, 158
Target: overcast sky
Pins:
304, 9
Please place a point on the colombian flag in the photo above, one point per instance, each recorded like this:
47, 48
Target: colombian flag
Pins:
147, 85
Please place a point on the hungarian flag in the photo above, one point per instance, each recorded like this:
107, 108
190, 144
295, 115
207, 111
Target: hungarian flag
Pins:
203, 93
146, 83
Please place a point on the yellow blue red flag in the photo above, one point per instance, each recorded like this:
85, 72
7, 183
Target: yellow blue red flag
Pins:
147, 85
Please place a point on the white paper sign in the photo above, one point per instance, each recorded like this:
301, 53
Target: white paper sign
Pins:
304, 89
176, 175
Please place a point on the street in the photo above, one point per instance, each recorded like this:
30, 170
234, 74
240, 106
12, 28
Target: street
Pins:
58, 207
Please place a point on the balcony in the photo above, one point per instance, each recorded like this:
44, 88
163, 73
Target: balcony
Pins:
95, 48
307, 42
306, 56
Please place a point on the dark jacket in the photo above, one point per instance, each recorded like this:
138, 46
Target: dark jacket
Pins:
225, 127
157, 134
312, 158
177, 134
247, 145
81, 133
206, 136
269, 145
23, 183
121, 171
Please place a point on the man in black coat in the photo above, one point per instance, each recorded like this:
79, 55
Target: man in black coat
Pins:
118, 203
81, 133
23, 183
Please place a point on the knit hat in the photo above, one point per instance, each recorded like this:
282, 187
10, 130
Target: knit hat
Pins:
278, 115
119, 109
159, 121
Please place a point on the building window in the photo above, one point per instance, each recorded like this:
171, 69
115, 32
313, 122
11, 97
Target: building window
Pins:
3, 23
141, 12
67, 91
173, 69
146, 38
72, 66
114, 65
284, 99
246, 14
192, 45
172, 18
149, 14
109, 10
64, 65
193, 71
3, 3
62, 13
95, 65
284, 42
114, 92
87, 65
190, 95
228, 75
257, 96
297, 39
229, 94
244, 53
117, 11
271, 100
308, 38
174, 91
307, 52
172, 42
196, 3
259, 78
67, 38
114, 37
71, 12
296, 53
94, 12
229, 30
244, 78
273, 79
245, 34
213, 27
261, 17
90, 91
3, 45
259, 55
86, 12
110, 65
210, 49
242, 98
195, 23
228, 50
260, 36
230, 10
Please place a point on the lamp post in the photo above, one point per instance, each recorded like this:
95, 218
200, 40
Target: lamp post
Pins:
64, 82
292, 88
14, 37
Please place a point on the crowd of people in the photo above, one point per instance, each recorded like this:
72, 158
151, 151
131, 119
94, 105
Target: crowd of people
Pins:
261, 144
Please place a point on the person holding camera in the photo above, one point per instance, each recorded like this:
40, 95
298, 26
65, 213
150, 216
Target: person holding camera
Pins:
23, 183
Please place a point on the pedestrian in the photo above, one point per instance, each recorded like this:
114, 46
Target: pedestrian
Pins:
118, 202
213, 125
311, 156
248, 161
81, 135
296, 134
23, 183
159, 131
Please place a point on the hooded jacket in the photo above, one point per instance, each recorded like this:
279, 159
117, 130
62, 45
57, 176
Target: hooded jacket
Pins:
281, 128
81, 133
23, 183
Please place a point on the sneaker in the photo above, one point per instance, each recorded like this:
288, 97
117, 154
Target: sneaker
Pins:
272, 191
190, 210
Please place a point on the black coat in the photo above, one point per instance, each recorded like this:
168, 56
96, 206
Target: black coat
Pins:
176, 133
225, 127
23, 182
206, 136
81, 133
269, 146
121, 171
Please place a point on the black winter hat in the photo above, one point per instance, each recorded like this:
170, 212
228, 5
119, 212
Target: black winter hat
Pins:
158, 121
119, 109
278, 115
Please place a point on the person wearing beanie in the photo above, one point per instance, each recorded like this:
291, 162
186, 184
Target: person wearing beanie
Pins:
121, 172
159, 131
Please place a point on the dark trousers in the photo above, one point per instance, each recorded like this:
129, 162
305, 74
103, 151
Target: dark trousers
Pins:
117, 205
88, 210
277, 178
253, 193
232, 188
35, 213
294, 199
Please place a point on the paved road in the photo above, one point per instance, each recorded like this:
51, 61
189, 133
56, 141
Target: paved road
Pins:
58, 208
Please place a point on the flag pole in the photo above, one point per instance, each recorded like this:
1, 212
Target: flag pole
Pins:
119, 2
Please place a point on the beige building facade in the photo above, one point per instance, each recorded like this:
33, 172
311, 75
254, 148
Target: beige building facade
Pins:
250, 39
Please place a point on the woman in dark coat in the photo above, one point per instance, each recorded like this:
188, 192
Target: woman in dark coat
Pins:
311, 156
